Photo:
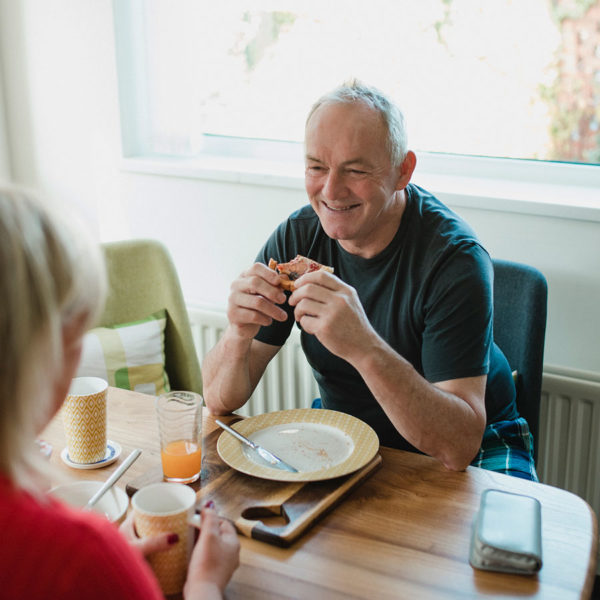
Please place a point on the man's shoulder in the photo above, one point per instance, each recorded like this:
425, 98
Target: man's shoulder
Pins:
442, 238
305, 214
297, 234
301, 225
434, 214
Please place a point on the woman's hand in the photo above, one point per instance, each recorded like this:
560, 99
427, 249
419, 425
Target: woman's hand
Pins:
148, 545
214, 559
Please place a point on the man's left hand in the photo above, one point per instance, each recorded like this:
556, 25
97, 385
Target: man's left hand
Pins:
330, 309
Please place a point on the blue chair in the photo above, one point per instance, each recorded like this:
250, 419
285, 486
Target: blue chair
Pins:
520, 310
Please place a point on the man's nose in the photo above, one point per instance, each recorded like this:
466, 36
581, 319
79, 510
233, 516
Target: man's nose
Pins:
334, 187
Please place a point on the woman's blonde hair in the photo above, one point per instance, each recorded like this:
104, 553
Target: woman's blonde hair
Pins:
50, 275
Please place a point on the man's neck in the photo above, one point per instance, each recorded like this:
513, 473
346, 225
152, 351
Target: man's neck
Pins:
382, 236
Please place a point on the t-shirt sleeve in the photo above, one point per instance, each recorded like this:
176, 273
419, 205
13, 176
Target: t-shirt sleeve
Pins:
458, 316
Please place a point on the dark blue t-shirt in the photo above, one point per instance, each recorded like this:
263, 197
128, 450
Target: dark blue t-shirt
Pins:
428, 294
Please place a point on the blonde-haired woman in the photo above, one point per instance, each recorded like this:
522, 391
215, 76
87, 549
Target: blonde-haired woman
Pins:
52, 287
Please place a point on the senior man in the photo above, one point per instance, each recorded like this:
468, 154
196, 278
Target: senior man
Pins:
400, 335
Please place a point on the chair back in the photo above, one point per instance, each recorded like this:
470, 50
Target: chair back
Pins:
520, 307
142, 280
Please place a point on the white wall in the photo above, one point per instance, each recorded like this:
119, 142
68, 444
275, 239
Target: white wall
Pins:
60, 96
61, 101
5, 170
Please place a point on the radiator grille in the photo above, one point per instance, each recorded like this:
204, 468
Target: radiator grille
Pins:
288, 380
570, 434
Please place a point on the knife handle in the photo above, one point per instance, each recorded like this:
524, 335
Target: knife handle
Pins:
234, 433
263, 452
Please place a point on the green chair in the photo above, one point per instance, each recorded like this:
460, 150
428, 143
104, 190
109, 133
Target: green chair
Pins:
142, 280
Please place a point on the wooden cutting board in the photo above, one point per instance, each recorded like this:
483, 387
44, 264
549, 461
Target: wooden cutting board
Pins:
270, 511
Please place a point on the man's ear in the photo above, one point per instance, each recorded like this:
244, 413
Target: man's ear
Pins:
406, 170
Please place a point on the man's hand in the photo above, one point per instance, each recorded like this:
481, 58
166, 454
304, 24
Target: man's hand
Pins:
253, 301
232, 369
330, 309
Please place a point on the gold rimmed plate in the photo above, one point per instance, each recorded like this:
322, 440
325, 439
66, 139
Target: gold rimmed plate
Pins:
321, 444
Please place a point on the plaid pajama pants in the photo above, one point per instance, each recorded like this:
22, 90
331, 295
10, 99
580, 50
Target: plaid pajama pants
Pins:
507, 447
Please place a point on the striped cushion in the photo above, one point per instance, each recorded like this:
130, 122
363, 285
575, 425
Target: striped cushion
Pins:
128, 355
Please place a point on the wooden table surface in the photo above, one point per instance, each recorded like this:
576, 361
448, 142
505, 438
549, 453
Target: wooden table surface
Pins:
403, 533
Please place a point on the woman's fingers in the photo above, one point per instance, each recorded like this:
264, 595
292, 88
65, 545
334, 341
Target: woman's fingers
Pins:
147, 545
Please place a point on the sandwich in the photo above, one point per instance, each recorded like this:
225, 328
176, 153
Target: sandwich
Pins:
290, 271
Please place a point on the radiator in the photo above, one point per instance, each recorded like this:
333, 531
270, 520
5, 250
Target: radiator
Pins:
288, 381
569, 444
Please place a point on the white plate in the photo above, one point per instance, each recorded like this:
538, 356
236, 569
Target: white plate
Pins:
308, 446
321, 444
113, 451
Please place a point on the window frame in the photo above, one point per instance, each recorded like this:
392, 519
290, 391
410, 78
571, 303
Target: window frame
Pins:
559, 189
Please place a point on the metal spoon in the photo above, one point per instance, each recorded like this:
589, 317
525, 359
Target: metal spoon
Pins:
113, 478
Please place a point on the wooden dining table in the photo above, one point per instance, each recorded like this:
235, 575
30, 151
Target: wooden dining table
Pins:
404, 532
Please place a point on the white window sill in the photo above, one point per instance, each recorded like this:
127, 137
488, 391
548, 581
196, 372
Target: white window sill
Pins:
524, 187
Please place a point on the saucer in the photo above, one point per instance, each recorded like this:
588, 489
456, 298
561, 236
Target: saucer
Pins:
113, 451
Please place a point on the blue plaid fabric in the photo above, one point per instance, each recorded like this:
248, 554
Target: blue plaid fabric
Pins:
507, 447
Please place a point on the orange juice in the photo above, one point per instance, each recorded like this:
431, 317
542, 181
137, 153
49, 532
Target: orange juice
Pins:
181, 460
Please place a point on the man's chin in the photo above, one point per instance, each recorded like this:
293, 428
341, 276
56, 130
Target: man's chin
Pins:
336, 233
336, 228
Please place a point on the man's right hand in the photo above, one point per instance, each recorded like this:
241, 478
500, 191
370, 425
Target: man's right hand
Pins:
253, 301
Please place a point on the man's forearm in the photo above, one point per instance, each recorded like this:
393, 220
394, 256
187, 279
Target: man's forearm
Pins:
226, 374
446, 425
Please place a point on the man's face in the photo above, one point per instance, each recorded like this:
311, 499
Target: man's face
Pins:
349, 177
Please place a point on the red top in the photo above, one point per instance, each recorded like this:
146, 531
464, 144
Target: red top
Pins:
49, 550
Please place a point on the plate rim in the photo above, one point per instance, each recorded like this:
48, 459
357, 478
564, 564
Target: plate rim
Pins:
231, 453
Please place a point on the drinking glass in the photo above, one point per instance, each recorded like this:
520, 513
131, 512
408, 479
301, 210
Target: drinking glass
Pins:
179, 417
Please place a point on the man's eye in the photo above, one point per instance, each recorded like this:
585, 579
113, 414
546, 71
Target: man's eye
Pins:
357, 172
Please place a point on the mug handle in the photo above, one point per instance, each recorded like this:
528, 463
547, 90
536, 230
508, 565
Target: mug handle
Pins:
195, 520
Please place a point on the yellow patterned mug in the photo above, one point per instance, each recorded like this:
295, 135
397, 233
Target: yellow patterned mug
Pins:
84, 419
167, 508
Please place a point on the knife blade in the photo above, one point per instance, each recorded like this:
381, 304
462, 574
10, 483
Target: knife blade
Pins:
262, 452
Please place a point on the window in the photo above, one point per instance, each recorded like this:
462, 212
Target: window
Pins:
492, 78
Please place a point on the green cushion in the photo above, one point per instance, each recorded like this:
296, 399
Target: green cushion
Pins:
128, 355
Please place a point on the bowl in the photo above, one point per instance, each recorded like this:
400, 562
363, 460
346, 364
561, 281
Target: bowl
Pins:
113, 505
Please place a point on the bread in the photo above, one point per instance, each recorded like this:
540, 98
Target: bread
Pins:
290, 271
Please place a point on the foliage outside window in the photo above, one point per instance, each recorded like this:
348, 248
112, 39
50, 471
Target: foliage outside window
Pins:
499, 78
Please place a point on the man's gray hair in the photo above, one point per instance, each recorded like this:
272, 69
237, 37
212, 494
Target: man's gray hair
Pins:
356, 91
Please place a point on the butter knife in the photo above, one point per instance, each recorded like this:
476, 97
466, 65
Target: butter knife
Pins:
262, 452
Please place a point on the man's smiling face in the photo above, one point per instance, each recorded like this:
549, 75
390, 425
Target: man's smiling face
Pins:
349, 177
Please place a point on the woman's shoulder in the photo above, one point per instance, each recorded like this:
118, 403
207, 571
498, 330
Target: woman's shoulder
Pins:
71, 550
